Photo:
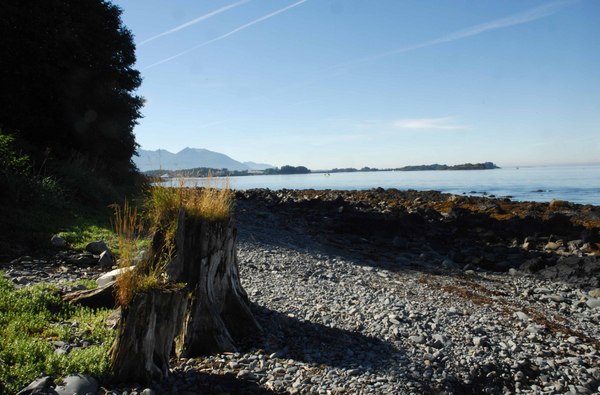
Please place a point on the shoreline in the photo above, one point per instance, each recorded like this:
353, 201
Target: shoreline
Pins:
553, 239
386, 291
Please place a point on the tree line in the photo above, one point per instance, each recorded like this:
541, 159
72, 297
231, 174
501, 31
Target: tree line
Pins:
68, 85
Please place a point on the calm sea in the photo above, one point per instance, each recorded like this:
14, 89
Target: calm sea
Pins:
578, 184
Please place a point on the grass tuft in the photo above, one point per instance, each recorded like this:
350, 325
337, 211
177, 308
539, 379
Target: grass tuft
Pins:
128, 226
161, 209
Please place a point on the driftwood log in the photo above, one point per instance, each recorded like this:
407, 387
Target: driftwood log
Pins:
144, 341
101, 297
218, 315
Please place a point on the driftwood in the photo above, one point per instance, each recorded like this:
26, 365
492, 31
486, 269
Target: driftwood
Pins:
218, 315
101, 297
148, 325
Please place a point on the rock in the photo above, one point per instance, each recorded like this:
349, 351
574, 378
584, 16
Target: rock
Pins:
353, 372
555, 204
96, 247
595, 293
552, 246
440, 341
106, 259
593, 303
58, 241
534, 329
556, 298
112, 275
417, 339
40, 385
522, 316
449, 264
246, 375
77, 384
81, 259
533, 265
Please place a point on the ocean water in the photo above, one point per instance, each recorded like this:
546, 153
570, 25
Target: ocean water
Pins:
578, 184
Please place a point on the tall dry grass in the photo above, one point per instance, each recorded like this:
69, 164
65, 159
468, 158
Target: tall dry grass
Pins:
212, 202
128, 225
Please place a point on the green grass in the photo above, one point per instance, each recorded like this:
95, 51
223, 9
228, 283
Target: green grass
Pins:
79, 235
87, 283
31, 318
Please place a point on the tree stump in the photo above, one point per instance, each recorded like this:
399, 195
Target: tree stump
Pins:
218, 314
145, 335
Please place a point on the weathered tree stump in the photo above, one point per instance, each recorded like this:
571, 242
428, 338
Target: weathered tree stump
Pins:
218, 314
148, 325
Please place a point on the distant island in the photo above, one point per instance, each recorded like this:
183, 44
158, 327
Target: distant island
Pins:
465, 166
287, 169
435, 166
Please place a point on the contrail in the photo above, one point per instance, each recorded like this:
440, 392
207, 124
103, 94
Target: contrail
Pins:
517, 19
193, 21
254, 22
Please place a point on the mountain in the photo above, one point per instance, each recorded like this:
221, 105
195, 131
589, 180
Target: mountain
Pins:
258, 166
188, 158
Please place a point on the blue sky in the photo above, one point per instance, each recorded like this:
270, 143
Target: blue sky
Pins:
352, 83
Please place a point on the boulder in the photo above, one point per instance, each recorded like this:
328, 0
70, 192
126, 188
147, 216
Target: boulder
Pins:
58, 242
77, 384
106, 259
96, 247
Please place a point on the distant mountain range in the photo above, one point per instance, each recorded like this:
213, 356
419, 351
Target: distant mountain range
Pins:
190, 158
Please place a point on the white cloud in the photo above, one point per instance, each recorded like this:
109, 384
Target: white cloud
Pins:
193, 21
444, 123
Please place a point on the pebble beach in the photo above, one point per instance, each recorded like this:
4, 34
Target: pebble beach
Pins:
442, 298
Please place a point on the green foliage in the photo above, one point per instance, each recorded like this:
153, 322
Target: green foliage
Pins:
33, 207
19, 182
10, 161
29, 317
81, 234
87, 283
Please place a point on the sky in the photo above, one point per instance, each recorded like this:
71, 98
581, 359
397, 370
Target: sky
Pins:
353, 83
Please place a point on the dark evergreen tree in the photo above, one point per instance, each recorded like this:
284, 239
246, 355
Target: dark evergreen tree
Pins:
67, 81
